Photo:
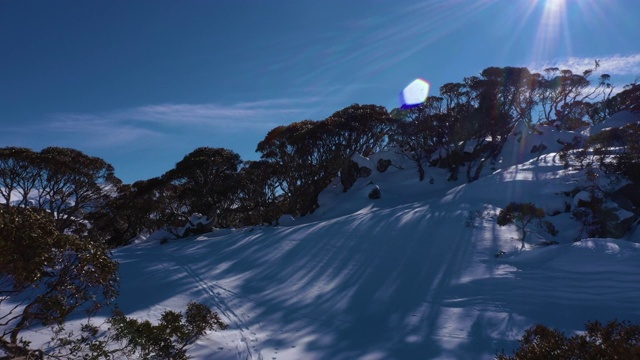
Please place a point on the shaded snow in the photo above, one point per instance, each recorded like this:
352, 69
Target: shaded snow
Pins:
413, 275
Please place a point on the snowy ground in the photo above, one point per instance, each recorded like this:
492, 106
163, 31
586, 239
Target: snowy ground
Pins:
410, 276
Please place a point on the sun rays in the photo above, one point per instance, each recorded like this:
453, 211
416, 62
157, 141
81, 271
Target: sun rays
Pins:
552, 29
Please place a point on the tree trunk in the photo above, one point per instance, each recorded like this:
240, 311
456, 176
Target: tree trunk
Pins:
420, 169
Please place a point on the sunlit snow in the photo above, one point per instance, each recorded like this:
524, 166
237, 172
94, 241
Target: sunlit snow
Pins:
413, 275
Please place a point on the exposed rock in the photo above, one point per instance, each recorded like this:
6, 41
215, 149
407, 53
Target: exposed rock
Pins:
538, 148
383, 165
365, 172
375, 193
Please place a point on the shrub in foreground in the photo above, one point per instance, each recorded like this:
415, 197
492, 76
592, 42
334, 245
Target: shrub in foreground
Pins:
133, 339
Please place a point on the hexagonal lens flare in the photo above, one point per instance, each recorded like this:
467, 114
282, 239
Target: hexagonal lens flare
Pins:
415, 93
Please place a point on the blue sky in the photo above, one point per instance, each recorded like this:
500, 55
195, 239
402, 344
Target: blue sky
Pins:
143, 83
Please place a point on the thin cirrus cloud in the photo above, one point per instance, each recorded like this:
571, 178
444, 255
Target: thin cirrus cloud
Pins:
151, 122
621, 65
97, 131
249, 115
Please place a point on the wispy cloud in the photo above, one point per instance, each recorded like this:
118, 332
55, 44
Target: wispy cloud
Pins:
621, 65
242, 116
99, 132
151, 122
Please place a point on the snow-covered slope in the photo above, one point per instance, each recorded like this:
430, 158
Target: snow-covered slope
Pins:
413, 275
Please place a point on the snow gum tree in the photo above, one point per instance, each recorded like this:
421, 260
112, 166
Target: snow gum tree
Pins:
308, 154
46, 275
17, 174
207, 182
524, 215
65, 181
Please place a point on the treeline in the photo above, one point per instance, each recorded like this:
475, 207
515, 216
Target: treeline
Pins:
462, 129
67, 183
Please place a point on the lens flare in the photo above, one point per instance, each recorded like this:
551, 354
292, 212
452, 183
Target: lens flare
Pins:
415, 93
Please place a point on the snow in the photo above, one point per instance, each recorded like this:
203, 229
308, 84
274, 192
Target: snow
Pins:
403, 277
413, 275
616, 120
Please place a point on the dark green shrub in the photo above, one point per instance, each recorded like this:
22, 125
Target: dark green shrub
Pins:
50, 273
132, 339
170, 337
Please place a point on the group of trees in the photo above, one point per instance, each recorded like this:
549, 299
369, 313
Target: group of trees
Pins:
467, 124
297, 162
61, 212
46, 275
614, 340
62, 209
69, 184
461, 129
308, 155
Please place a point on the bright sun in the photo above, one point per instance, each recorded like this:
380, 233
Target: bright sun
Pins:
554, 5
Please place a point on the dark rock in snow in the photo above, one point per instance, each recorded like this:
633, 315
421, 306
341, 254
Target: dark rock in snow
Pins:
365, 172
349, 174
627, 197
375, 193
538, 148
383, 165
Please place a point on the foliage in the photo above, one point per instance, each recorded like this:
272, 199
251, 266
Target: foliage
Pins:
170, 337
617, 150
121, 218
422, 131
564, 96
308, 154
628, 99
205, 181
464, 127
66, 182
18, 173
129, 338
46, 275
524, 214
615, 340
259, 201
206, 178
596, 218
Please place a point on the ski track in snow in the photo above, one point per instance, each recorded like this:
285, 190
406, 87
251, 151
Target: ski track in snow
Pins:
246, 338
